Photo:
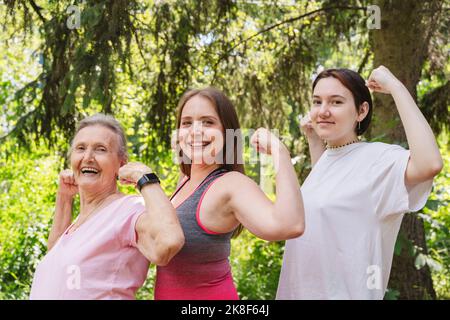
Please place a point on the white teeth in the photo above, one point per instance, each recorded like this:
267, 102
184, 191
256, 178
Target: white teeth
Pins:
88, 170
199, 144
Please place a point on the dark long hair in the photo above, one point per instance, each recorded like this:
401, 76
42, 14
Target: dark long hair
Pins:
357, 86
228, 117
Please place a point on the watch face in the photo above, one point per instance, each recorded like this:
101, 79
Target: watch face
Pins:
151, 177
147, 179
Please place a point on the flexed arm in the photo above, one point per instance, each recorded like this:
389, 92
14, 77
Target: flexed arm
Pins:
160, 236
281, 220
62, 218
425, 161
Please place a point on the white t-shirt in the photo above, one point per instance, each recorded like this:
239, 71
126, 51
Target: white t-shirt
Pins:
354, 199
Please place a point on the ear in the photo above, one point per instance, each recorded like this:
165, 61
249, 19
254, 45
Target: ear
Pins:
363, 111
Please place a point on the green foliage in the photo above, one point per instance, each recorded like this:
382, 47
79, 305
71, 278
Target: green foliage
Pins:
391, 294
436, 217
437, 228
256, 266
27, 189
147, 53
146, 291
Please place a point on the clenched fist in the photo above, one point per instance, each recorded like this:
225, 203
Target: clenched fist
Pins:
265, 142
132, 172
67, 185
382, 80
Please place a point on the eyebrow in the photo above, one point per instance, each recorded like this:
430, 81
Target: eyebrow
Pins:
202, 117
333, 96
96, 144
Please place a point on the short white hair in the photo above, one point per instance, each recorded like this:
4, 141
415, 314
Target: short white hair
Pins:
107, 121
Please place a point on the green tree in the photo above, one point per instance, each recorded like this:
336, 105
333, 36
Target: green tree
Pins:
396, 47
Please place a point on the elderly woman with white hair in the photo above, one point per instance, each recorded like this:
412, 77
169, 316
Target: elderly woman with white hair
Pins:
105, 252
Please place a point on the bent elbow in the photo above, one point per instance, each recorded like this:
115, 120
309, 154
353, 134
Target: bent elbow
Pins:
175, 246
297, 231
160, 262
436, 168
160, 259
168, 250
301, 230
285, 232
432, 170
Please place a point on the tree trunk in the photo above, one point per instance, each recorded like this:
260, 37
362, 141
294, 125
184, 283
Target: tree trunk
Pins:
402, 46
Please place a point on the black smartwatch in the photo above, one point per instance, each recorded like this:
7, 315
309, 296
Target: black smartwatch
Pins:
147, 179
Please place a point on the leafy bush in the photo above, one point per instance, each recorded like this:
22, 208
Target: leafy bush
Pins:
256, 266
27, 187
437, 229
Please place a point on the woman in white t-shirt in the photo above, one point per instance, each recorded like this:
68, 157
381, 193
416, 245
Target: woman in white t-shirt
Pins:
357, 192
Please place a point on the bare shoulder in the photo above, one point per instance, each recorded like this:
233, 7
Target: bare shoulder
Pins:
229, 186
236, 177
234, 181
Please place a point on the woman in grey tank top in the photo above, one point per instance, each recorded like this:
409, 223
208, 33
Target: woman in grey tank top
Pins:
215, 199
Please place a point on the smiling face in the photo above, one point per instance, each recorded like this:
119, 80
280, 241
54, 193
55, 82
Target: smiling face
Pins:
95, 158
201, 131
333, 112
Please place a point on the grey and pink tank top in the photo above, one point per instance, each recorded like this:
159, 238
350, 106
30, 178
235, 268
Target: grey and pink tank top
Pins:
201, 270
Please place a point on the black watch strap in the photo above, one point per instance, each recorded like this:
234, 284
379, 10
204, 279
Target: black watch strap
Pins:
147, 179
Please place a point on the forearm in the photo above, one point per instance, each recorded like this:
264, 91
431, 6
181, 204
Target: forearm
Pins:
422, 143
61, 219
289, 203
316, 149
